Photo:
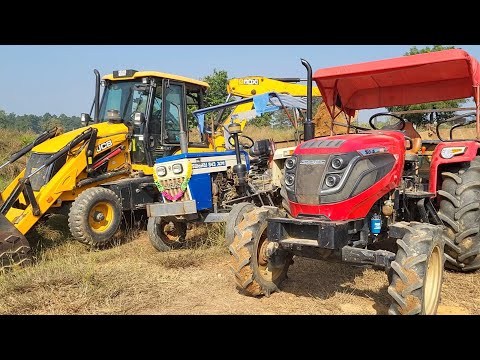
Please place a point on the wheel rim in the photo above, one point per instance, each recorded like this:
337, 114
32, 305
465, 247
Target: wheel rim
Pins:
169, 231
101, 216
433, 281
265, 271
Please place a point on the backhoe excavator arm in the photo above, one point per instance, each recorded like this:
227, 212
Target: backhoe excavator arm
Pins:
248, 86
254, 85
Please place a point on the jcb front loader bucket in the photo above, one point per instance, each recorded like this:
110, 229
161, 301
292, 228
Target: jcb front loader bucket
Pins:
14, 247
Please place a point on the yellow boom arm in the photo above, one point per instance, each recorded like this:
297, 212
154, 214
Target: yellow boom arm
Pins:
249, 86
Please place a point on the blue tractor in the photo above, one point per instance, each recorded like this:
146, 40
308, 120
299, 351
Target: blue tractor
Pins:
220, 186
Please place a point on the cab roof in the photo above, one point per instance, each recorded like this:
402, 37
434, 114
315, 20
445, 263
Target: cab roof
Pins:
140, 74
435, 76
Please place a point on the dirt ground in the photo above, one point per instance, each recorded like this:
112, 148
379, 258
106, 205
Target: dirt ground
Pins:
134, 278
313, 287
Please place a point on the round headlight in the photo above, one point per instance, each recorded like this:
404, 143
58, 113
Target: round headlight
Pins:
337, 163
289, 179
290, 162
177, 168
161, 171
331, 180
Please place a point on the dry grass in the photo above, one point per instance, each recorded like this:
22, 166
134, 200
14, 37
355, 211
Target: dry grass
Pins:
10, 142
265, 132
133, 278
69, 279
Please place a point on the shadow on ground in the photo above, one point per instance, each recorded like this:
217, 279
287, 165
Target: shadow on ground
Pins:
328, 281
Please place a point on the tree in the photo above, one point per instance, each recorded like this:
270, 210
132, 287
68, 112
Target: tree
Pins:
424, 118
53, 122
262, 120
414, 51
217, 92
3, 119
36, 123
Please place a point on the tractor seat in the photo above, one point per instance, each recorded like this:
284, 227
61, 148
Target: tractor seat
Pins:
260, 152
413, 134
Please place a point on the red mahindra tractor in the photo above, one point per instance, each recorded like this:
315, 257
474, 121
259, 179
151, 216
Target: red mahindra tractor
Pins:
382, 196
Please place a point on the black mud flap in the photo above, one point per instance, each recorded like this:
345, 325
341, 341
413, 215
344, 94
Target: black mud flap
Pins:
14, 247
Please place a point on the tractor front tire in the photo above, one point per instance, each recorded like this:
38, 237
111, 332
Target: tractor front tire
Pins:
417, 272
460, 212
254, 273
234, 218
95, 216
166, 235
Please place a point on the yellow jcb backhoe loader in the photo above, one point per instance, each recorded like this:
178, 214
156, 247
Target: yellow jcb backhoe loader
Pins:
95, 173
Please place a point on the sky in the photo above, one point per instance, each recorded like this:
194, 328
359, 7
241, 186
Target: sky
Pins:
36, 79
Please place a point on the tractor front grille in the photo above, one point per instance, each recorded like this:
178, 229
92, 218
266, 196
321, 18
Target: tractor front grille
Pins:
309, 177
173, 187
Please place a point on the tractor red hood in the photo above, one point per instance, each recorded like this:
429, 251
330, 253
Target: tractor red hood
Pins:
372, 141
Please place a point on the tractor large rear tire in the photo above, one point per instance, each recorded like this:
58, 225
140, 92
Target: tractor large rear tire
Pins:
95, 216
254, 274
460, 212
417, 272
234, 218
166, 235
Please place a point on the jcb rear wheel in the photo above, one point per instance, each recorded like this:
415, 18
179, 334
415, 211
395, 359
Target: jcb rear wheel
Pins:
417, 272
166, 235
95, 216
254, 273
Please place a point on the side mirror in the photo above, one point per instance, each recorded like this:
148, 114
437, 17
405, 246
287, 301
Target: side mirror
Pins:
85, 119
138, 118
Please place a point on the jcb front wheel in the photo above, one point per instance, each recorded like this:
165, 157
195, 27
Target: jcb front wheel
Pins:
417, 272
255, 273
166, 235
95, 216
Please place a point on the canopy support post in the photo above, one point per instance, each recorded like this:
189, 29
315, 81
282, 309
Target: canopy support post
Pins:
477, 108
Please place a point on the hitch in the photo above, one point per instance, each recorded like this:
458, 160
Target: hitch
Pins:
377, 258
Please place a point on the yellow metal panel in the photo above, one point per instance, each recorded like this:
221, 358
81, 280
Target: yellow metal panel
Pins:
104, 129
141, 74
145, 168
254, 85
196, 150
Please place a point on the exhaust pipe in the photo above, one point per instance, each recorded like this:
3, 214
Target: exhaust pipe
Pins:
183, 138
96, 114
309, 126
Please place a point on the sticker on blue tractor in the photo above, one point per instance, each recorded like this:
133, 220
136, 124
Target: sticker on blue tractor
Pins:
208, 164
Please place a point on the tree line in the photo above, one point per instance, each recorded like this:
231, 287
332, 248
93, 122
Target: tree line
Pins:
37, 123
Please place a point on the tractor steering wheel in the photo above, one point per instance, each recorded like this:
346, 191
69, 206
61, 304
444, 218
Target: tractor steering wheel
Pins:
247, 146
400, 125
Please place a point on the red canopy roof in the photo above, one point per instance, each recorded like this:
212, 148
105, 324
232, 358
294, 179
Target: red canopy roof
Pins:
406, 80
